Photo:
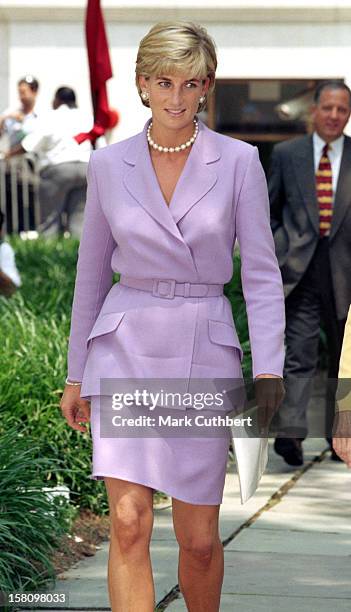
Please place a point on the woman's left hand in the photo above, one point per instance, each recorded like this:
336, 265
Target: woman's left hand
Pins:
270, 392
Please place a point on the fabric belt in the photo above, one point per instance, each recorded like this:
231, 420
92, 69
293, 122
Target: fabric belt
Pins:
168, 288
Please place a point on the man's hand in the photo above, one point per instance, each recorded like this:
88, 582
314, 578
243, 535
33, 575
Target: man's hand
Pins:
342, 435
17, 115
15, 150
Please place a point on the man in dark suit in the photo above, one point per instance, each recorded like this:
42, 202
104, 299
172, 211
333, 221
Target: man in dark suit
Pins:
310, 194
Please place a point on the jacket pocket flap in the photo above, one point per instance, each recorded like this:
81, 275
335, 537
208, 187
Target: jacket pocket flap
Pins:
105, 323
224, 333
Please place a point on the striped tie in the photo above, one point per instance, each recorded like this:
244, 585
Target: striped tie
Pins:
324, 192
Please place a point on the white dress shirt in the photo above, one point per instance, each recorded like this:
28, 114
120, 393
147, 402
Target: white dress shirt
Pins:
8, 264
334, 153
53, 138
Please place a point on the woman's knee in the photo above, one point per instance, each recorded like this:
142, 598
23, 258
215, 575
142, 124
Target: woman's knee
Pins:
131, 515
131, 525
200, 549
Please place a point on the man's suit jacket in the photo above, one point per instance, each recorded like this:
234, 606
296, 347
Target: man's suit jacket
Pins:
120, 332
295, 216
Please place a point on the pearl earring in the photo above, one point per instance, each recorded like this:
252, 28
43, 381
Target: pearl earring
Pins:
202, 99
145, 96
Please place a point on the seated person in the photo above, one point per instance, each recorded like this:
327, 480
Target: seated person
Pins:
62, 161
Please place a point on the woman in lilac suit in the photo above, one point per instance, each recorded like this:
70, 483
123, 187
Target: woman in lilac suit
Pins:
164, 209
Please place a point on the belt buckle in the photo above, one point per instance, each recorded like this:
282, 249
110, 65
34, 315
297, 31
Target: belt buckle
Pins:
166, 293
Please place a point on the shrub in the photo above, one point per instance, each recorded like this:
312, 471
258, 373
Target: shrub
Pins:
30, 523
33, 337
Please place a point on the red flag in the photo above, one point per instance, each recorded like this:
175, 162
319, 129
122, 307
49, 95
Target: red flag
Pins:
100, 71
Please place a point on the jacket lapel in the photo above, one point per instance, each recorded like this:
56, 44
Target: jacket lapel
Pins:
141, 182
342, 199
198, 176
303, 161
196, 180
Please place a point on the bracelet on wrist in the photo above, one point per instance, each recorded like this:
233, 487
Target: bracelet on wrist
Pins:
72, 383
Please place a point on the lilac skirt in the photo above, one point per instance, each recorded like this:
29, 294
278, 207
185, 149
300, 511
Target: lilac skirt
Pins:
191, 469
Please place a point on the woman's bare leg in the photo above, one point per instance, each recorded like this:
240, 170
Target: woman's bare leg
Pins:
130, 580
201, 562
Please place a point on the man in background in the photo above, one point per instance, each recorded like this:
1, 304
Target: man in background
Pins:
310, 194
15, 123
62, 161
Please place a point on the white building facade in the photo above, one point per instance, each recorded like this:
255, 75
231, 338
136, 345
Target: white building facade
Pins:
267, 39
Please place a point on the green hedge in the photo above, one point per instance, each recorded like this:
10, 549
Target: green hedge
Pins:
31, 524
34, 333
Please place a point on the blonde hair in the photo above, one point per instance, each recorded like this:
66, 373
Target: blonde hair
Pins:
174, 47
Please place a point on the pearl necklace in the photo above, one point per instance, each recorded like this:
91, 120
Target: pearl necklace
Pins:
181, 147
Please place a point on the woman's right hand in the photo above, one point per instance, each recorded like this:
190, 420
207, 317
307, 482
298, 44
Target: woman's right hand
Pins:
75, 409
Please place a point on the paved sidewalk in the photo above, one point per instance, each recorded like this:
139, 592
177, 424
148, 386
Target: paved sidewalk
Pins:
296, 554
291, 553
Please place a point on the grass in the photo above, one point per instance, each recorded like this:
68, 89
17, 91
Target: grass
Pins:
31, 525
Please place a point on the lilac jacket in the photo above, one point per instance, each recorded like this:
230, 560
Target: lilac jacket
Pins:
220, 196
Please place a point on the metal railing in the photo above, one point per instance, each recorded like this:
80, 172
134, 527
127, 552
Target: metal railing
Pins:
19, 193
20, 202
